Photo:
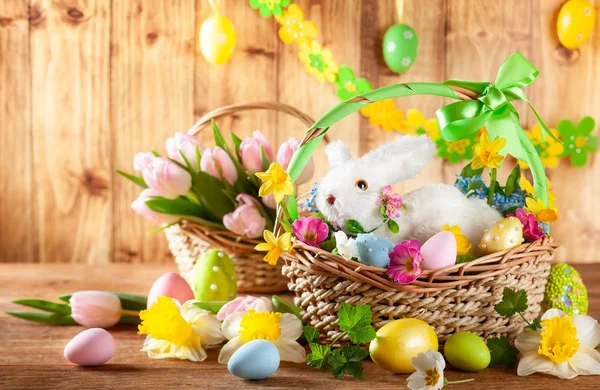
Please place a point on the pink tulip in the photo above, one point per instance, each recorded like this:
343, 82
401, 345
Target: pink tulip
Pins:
186, 144
139, 206
142, 160
284, 156
240, 304
216, 162
95, 309
246, 218
269, 201
167, 178
250, 152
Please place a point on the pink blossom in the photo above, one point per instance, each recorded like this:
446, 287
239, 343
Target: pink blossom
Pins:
250, 152
166, 178
246, 218
531, 226
142, 160
217, 163
139, 206
284, 156
310, 230
405, 262
391, 201
187, 145
241, 304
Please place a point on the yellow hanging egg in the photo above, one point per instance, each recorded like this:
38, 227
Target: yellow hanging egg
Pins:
505, 234
575, 23
217, 39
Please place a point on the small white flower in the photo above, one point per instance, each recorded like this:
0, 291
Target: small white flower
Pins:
406, 61
391, 46
408, 35
430, 371
346, 246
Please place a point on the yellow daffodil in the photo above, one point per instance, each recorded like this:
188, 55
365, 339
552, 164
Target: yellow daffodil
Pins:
384, 114
528, 187
463, 246
415, 121
564, 347
179, 332
543, 213
318, 61
260, 322
549, 149
274, 246
486, 152
294, 28
276, 182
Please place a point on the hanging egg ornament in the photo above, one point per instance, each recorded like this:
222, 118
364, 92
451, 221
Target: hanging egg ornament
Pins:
565, 291
217, 39
400, 45
575, 23
504, 234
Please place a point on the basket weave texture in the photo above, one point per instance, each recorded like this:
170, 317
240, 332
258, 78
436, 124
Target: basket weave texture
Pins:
188, 241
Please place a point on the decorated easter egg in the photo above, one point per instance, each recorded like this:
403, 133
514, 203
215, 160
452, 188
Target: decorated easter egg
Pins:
575, 23
467, 351
257, 359
399, 341
439, 251
170, 285
565, 291
92, 347
214, 277
400, 45
374, 250
217, 39
505, 234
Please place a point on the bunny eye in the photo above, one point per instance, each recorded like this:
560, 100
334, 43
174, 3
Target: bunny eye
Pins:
361, 184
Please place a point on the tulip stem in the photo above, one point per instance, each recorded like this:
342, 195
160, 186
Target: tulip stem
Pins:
285, 210
492, 189
447, 382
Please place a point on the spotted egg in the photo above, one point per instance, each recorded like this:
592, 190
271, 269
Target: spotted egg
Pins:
504, 234
575, 23
400, 44
374, 250
565, 291
214, 277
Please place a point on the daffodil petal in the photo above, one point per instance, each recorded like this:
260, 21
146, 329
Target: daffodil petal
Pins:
291, 326
263, 247
269, 237
528, 341
532, 362
586, 362
231, 325
551, 313
290, 350
228, 350
563, 371
588, 331
272, 256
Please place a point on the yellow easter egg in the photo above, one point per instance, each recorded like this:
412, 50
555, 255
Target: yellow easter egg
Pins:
217, 39
505, 234
575, 23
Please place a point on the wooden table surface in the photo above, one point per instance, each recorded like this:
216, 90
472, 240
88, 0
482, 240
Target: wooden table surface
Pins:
31, 355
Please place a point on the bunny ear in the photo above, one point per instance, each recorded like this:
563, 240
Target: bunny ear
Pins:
337, 153
400, 159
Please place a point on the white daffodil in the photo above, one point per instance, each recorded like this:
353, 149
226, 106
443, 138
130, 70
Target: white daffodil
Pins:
430, 371
563, 347
176, 331
345, 246
259, 322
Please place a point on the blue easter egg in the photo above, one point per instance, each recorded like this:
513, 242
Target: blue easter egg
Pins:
374, 250
257, 359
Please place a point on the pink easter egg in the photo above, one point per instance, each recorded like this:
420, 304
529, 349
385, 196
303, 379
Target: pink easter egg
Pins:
170, 285
92, 347
439, 251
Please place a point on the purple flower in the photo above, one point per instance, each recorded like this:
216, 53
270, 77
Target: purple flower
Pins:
310, 230
531, 226
405, 261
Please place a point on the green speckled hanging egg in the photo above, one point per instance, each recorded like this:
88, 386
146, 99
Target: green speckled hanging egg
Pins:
400, 45
565, 291
214, 277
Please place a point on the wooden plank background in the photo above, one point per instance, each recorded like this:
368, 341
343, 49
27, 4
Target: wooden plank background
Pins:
85, 84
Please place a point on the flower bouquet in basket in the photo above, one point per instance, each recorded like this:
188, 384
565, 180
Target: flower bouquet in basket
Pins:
209, 197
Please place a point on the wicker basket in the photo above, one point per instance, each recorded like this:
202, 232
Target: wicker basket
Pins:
457, 298
188, 241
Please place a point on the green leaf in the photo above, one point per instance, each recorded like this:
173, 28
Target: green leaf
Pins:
236, 141
348, 360
264, 159
210, 193
189, 167
464, 258
179, 206
510, 210
311, 334
354, 226
382, 211
512, 182
44, 318
58, 308
536, 324
218, 136
129, 320
128, 301
512, 303
356, 321
285, 224
136, 179
502, 352
211, 306
319, 356
283, 306
467, 171
329, 244
498, 188
393, 226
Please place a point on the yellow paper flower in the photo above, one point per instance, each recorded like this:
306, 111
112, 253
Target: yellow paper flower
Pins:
528, 187
276, 182
486, 152
294, 28
384, 114
543, 213
415, 121
549, 149
318, 61
179, 332
274, 246
463, 246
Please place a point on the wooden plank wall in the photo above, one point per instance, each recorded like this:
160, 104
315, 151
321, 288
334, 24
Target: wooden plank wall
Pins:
85, 84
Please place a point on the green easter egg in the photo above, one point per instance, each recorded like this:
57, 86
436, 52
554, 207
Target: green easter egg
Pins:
214, 277
467, 351
565, 291
400, 45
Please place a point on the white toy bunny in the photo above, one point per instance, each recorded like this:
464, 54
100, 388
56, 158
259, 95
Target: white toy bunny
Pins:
351, 188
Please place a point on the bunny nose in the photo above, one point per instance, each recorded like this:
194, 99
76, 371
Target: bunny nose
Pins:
331, 199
